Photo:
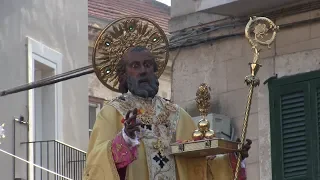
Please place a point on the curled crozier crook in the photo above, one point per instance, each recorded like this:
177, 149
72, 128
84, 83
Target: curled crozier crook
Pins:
257, 32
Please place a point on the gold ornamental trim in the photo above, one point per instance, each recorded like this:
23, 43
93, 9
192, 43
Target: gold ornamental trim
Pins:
120, 35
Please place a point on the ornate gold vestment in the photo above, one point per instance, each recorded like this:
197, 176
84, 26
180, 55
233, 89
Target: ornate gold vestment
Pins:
163, 122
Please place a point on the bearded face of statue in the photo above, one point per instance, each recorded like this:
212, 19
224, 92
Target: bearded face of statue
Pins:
139, 73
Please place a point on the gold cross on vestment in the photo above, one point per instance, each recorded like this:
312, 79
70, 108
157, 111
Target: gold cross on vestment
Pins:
159, 146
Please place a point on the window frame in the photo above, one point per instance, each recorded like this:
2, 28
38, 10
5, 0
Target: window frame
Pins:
98, 108
98, 104
41, 53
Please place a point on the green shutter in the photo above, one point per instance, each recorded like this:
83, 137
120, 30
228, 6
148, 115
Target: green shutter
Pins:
289, 132
315, 112
293, 126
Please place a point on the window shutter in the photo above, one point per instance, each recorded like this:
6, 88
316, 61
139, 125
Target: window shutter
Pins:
315, 109
289, 132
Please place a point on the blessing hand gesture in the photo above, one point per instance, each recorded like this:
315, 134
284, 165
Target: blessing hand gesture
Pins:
132, 124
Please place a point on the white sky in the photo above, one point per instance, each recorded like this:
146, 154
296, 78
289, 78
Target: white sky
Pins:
167, 2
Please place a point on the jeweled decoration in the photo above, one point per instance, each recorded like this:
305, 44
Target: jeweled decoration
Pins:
203, 104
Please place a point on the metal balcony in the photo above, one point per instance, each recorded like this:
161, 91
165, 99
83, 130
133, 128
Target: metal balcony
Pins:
58, 157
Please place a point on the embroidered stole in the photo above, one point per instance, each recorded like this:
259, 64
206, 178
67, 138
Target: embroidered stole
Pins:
159, 120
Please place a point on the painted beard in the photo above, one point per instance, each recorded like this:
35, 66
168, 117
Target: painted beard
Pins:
143, 87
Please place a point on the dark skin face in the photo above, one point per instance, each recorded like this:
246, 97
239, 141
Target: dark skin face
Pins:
140, 64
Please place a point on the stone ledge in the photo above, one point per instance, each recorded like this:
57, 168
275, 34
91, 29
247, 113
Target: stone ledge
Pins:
192, 20
310, 44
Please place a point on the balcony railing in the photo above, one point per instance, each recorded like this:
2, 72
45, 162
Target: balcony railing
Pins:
58, 157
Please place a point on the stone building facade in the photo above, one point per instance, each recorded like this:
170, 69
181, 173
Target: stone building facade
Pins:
215, 51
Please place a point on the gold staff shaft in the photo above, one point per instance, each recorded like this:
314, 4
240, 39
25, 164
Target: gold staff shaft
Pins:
244, 129
252, 81
260, 30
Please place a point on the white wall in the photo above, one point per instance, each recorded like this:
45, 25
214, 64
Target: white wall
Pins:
63, 26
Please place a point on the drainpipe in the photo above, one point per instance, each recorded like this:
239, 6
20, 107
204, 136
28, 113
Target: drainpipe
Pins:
20, 120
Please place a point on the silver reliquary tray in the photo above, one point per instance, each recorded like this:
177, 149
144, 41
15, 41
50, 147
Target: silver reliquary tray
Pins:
202, 148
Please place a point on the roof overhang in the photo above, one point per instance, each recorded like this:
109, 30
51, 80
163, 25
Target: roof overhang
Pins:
239, 8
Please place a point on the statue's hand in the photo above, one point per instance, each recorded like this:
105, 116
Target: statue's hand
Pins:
132, 124
245, 148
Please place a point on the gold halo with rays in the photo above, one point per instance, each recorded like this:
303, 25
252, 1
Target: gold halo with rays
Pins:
120, 35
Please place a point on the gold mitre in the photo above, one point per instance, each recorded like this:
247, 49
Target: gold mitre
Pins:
122, 34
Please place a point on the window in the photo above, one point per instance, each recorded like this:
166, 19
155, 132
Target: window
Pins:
295, 123
95, 105
93, 111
